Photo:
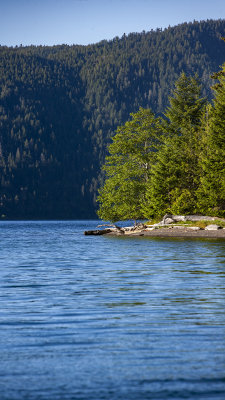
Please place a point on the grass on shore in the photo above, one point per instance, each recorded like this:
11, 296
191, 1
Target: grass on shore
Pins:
201, 224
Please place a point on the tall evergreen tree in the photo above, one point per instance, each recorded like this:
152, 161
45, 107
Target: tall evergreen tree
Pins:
128, 167
175, 175
186, 105
211, 194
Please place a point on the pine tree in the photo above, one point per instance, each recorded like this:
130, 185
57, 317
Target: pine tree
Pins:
186, 105
211, 194
175, 175
128, 167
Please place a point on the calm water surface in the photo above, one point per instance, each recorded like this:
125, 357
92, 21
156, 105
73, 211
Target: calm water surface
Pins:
94, 318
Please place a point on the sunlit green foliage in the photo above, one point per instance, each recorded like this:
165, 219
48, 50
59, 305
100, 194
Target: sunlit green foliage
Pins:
176, 173
185, 159
211, 193
128, 167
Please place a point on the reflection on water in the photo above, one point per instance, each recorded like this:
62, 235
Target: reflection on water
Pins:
109, 318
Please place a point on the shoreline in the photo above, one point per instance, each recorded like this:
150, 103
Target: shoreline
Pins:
210, 227
174, 232
163, 232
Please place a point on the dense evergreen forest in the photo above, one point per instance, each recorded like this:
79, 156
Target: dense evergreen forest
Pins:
60, 106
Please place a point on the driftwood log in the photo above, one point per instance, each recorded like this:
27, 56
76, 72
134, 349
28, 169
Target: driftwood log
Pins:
121, 230
114, 228
97, 232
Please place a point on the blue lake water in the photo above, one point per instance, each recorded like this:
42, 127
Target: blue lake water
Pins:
95, 318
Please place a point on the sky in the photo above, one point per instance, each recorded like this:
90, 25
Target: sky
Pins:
49, 22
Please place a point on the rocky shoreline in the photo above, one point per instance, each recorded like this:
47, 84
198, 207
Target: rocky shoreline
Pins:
177, 232
170, 226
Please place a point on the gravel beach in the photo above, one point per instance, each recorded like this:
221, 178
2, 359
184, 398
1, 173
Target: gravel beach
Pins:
178, 232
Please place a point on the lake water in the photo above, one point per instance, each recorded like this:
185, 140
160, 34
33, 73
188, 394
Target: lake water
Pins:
93, 318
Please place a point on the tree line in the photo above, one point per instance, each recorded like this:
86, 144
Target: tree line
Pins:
174, 164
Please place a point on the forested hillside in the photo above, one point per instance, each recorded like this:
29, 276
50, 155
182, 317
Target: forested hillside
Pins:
60, 105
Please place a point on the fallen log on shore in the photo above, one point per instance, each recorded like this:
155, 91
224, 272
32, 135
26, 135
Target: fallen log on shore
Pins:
97, 232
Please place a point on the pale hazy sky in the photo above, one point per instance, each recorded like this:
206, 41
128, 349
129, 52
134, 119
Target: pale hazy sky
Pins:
49, 22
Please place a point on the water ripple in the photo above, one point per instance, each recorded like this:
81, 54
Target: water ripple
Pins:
91, 318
